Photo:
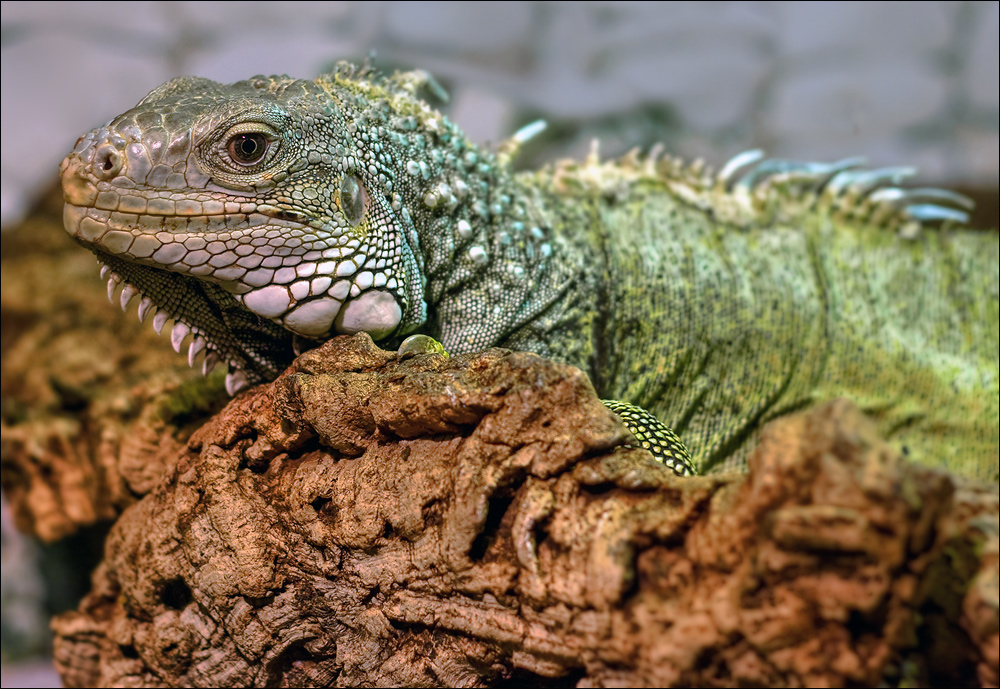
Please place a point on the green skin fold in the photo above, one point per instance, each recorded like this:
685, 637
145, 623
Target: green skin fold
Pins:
715, 303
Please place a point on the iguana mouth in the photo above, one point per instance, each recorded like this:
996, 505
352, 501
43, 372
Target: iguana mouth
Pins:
221, 329
194, 261
252, 283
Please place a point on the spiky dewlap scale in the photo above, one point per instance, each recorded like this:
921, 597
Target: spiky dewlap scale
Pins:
652, 435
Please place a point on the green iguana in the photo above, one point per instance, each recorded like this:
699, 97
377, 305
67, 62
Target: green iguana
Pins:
265, 216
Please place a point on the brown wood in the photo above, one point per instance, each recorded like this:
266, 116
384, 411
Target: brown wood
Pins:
432, 521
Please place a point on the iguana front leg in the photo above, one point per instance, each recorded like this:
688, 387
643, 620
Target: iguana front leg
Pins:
654, 436
650, 433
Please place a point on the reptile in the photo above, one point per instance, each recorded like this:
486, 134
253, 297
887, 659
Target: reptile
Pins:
266, 216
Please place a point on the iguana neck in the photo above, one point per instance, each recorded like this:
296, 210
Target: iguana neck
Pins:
491, 249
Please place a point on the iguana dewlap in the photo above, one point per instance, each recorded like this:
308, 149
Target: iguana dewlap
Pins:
265, 216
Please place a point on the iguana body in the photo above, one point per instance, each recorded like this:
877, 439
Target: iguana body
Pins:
270, 214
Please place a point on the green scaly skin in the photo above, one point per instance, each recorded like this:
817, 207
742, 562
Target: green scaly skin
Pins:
265, 216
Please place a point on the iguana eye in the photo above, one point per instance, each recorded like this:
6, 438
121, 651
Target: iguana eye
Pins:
352, 199
249, 148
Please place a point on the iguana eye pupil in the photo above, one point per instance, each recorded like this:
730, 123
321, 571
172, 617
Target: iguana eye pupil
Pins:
352, 199
247, 149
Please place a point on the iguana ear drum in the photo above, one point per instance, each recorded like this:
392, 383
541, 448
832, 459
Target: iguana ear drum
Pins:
353, 199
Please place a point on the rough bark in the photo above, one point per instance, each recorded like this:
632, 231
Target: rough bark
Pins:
93, 400
366, 520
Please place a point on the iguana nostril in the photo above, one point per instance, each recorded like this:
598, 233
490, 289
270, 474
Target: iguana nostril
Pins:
107, 162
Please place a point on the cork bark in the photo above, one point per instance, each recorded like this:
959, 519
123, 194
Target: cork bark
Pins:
366, 520
93, 400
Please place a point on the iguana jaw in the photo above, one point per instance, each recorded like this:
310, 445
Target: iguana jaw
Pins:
174, 259
254, 348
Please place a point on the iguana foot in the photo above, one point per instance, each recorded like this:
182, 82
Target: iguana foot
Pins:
652, 435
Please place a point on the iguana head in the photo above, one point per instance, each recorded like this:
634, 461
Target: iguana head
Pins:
268, 214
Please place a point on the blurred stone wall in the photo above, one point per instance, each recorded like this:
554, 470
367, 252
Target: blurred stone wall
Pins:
23, 625
913, 83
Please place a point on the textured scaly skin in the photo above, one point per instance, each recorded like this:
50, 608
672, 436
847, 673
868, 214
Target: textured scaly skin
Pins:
717, 302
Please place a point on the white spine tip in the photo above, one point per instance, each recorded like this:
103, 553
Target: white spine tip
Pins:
530, 131
739, 161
